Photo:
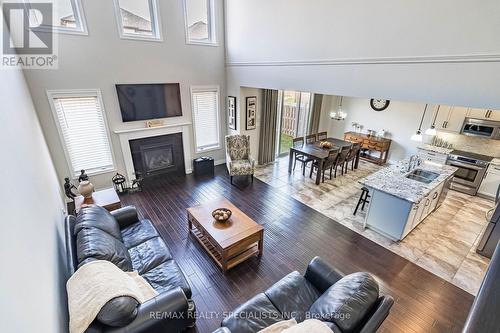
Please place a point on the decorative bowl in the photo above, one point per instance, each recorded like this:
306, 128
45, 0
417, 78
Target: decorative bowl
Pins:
326, 144
221, 214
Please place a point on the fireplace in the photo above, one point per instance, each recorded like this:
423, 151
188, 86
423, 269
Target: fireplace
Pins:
158, 155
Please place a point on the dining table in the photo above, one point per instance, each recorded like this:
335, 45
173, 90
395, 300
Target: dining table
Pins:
315, 152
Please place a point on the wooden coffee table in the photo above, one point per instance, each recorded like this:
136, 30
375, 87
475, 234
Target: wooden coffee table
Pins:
228, 243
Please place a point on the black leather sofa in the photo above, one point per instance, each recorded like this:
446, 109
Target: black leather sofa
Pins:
131, 244
346, 304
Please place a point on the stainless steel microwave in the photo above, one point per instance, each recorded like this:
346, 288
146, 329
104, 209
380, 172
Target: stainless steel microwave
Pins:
482, 128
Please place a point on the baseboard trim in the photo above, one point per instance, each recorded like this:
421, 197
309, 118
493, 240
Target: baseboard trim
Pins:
372, 61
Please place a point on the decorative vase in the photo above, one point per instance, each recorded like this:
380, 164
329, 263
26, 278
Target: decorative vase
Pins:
86, 188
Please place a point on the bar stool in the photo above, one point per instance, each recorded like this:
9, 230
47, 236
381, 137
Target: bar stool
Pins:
363, 199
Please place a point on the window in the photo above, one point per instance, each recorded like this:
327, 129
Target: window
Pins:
138, 19
79, 116
67, 17
199, 18
205, 105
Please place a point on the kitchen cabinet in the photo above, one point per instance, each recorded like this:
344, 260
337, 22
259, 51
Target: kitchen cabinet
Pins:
411, 220
490, 182
484, 114
405, 216
442, 117
494, 115
451, 118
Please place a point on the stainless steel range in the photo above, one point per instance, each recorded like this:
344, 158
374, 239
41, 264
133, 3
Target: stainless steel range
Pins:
471, 170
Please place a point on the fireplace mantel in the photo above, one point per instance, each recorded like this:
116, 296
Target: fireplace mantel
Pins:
140, 129
126, 135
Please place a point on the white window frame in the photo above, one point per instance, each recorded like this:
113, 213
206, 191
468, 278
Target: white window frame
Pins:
53, 94
80, 20
216, 89
212, 25
156, 26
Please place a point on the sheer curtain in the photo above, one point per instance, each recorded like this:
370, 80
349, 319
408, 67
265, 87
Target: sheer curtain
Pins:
315, 114
268, 123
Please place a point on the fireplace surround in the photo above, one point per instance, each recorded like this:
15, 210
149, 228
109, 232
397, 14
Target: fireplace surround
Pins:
128, 134
158, 155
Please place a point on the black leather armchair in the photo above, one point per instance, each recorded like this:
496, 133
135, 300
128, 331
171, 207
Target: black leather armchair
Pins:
322, 289
136, 245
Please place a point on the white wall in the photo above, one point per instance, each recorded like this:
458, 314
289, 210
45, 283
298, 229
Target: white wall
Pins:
255, 133
31, 248
102, 59
400, 120
441, 52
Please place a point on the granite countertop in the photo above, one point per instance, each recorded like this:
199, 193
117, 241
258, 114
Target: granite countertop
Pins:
392, 180
435, 149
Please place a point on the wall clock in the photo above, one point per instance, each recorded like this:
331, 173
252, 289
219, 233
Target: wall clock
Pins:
379, 104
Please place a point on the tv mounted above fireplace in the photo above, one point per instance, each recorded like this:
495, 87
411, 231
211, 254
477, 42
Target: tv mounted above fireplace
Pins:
149, 101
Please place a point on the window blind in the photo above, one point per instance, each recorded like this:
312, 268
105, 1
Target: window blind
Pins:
84, 132
206, 118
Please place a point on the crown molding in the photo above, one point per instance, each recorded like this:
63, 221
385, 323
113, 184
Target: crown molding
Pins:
371, 61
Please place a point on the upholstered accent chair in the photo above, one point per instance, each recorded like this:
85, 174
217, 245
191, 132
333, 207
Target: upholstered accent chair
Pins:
238, 159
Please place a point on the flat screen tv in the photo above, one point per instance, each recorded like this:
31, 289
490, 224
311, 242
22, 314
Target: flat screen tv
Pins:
149, 101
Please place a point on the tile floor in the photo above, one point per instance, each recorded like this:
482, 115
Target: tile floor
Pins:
444, 243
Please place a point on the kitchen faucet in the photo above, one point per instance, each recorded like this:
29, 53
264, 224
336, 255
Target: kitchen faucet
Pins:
415, 161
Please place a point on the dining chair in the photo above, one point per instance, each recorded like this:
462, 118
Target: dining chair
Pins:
322, 136
297, 143
327, 164
311, 138
341, 159
351, 157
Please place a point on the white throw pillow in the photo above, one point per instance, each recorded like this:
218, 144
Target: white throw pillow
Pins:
308, 326
279, 326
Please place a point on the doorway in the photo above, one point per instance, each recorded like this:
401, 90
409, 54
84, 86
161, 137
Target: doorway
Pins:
293, 118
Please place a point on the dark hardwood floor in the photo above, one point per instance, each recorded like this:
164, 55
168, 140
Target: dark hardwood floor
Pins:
294, 234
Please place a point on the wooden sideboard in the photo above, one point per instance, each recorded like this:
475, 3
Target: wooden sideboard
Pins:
371, 143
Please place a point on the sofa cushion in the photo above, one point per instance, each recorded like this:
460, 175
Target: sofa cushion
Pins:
97, 244
309, 326
348, 301
252, 316
333, 327
118, 312
293, 296
167, 276
97, 217
149, 254
279, 326
138, 233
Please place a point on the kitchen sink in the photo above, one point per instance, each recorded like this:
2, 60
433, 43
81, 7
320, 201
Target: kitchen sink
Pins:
422, 176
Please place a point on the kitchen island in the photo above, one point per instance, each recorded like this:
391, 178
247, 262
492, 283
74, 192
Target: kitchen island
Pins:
402, 198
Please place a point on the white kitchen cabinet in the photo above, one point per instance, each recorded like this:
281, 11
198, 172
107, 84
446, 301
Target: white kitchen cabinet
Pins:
410, 221
435, 196
442, 117
422, 206
484, 114
456, 119
494, 115
477, 113
432, 156
451, 118
490, 182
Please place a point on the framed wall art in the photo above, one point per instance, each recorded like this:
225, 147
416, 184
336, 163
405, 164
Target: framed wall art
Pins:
231, 112
251, 122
